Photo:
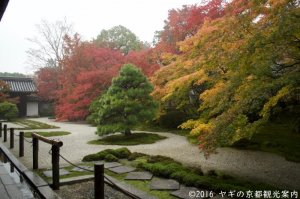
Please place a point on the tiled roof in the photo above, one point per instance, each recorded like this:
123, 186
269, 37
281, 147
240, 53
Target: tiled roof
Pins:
20, 84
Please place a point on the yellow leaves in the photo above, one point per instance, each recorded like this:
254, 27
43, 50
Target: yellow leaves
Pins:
197, 77
207, 30
209, 94
273, 101
276, 3
167, 58
198, 127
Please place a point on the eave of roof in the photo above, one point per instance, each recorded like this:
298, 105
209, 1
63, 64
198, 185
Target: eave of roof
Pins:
20, 84
3, 5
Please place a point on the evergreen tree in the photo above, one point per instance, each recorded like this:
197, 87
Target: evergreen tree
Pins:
126, 103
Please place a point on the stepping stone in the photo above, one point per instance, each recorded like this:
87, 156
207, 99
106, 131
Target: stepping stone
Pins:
108, 165
62, 172
164, 184
121, 169
82, 170
139, 176
190, 192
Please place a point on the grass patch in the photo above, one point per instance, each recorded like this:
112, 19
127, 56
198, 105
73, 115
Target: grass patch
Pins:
133, 139
30, 124
48, 134
275, 137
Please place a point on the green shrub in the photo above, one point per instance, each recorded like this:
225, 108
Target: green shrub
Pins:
110, 158
179, 175
102, 155
121, 152
8, 111
161, 169
159, 158
91, 157
212, 173
196, 170
190, 179
135, 155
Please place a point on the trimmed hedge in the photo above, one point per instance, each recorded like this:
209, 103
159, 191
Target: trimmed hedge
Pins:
8, 111
108, 155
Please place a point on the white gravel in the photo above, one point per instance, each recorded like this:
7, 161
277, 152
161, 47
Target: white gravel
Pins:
252, 165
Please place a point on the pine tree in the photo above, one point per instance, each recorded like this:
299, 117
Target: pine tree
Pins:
126, 103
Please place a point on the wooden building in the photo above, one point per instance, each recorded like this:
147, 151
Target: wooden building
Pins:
25, 89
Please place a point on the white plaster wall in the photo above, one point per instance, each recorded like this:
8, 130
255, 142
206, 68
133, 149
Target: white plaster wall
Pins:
32, 109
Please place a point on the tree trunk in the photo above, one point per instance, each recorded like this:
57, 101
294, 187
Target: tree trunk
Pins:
127, 132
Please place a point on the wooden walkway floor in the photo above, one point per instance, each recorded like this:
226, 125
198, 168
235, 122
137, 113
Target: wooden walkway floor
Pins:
9, 189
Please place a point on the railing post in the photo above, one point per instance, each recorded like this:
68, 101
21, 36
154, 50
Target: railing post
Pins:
4, 158
55, 166
21, 144
12, 168
5, 133
0, 129
35, 151
12, 139
99, 181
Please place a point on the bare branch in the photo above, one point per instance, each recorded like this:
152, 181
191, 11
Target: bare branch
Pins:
49, 44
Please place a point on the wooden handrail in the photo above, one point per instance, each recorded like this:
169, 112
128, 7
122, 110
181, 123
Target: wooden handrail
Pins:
47, 140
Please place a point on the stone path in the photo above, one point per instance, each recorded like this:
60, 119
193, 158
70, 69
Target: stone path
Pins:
9, 188
142, 175
250, 165
121, 169
164, 184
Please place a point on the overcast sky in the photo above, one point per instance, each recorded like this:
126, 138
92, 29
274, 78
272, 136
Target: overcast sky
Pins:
89, 17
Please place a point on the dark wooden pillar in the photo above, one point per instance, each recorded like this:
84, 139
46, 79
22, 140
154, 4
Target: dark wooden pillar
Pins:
12, 138
55, 166
4, 133
0, 129
35, 152
21, 144
99, 181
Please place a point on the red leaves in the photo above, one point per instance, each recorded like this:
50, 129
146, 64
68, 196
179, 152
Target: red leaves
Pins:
47, 83
86, 72
185, 22
143, 59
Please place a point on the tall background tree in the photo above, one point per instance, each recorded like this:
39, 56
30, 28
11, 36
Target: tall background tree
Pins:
119, 38
48, 50
126, 103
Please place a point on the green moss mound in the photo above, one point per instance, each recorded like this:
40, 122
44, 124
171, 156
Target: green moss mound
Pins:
133, 139
109, 155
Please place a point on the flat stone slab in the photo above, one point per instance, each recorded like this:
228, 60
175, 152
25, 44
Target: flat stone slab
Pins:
139, 176
190, 192
108, 165
164, 184
82, 170
121, 169
62, 172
